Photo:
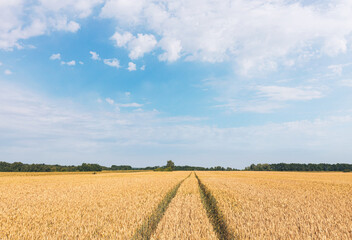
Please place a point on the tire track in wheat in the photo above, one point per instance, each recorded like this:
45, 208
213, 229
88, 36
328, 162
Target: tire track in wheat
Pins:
214, 213
150, 224
186, 217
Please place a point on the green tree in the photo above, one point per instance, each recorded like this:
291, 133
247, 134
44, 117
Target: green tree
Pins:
170, 164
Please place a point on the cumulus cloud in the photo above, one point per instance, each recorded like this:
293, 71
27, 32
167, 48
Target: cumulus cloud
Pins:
131, 66
62, 24
137, 46
113, 62
143, 68
257, 35
172, 49
55, 56
94, 55
69, 63
121, 40
20, 20
142, 44
125, 11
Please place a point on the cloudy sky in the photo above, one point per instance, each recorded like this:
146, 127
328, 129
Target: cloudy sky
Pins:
201, 82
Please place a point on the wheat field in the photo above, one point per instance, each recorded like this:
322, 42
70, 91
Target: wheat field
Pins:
79, 206
186, 217
278, 205
252, 205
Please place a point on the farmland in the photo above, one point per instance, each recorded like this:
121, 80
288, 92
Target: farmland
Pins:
169, 205
79, 206
277, 205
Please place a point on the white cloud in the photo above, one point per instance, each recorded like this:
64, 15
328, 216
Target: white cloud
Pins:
7, 72
113, 62
62, 24
109, 100
123, 105
81, 8
257, 35
126, 11
251, 106
129, 105
20, 20
242, 96
80, 62
131, 66
278, 93
69, 63
137, 46
338, 68
172, 49
261, 107
122, 39
335, 46
28, 121
0, 63
346, 82
94, 55
55, 56
143, 68
142, 44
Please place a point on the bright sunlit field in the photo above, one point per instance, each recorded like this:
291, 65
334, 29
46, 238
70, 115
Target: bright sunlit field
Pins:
172, 205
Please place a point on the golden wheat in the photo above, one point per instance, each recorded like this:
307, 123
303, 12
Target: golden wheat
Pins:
186, 217
276, 205
79, 206
255, 205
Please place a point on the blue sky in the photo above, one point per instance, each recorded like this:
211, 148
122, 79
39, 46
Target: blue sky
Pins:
200, 82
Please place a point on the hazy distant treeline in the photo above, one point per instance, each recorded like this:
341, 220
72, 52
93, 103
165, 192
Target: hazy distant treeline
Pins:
339, 167
22, 167
191, 168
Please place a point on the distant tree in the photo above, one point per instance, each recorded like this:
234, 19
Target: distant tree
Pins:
121, 167
170, 164
85, 167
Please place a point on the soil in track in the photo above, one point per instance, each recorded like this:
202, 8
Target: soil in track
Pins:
185, 218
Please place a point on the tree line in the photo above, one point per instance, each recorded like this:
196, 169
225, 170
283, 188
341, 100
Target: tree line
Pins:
338, 167
170, 166
22, 167
86, 167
